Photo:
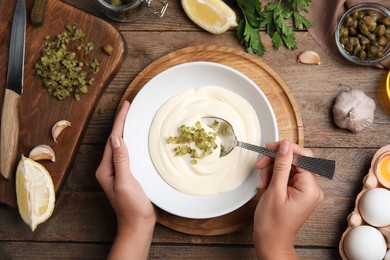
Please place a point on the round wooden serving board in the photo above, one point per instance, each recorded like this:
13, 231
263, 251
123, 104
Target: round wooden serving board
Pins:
285, 108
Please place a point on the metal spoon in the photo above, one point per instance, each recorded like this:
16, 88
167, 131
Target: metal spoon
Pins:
229, 140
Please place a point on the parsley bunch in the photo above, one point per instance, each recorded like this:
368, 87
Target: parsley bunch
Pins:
273, 18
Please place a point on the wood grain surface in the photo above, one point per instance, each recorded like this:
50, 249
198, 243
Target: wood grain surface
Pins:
39, 111
283, 104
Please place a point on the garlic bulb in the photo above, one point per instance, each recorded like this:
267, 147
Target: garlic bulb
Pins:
353, 110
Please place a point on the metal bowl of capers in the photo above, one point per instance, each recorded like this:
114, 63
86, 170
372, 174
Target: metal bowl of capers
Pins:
363, 34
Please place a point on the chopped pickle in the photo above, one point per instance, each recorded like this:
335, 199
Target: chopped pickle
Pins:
195, 136
65, 65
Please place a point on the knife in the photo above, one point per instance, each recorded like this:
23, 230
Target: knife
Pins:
14, 87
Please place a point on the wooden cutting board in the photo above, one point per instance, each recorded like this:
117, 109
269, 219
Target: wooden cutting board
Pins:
286, 110
39, 111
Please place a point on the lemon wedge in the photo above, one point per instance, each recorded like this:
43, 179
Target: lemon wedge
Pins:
34, 192
213, 16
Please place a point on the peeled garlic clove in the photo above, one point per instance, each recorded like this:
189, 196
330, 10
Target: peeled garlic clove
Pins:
309, 57
42, 152
58, 128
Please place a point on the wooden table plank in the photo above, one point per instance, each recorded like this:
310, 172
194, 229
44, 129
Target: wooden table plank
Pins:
88, 217
43, 250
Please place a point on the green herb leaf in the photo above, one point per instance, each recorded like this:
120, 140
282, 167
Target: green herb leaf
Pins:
251, 11
247, 31
300, 21
301, 4
274, 17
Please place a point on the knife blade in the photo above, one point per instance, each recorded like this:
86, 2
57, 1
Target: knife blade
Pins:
14, 87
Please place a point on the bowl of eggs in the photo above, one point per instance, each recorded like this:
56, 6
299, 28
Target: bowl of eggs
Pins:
363, 34
368, 233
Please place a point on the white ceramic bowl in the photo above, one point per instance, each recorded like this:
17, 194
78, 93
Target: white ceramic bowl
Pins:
147, 102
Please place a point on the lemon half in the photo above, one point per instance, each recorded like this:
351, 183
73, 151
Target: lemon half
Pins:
34, 192
213, 16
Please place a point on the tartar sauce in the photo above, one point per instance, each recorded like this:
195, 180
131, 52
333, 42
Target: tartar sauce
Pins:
211, 174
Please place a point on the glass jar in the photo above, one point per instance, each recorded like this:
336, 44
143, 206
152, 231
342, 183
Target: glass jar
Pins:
131, 11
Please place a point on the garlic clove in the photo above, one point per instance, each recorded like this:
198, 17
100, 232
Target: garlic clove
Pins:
309, 57
42, 152
58, 128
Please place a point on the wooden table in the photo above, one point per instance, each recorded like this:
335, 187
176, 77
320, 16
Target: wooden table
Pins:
83, 225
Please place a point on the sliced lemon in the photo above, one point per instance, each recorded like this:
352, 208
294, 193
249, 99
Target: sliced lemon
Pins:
213, 16
34, 192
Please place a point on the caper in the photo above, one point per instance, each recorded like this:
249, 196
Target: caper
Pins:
353, 40
344, 32
116, 2
362, 55
373, 50
385, 21
355, 15
368, 19
376, 44
380, 30
373, 14
364, 29
349, 47
344, 40
372, 37
348, 21
358, 14
364, 40
352, 31
357, 49
383, 41
355, 23
379, 54
107, 49
387, 33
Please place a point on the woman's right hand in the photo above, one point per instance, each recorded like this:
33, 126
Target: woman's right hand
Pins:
291, 195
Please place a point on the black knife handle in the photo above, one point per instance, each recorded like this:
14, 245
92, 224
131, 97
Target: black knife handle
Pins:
9, 133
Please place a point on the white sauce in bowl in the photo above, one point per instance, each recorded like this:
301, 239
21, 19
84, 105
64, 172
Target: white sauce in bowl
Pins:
211, 175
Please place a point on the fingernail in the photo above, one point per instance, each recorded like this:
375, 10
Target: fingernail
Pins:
261, 183
116, 143
283, 147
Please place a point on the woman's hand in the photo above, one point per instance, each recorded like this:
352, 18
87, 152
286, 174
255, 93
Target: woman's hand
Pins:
135, 213
291, 194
